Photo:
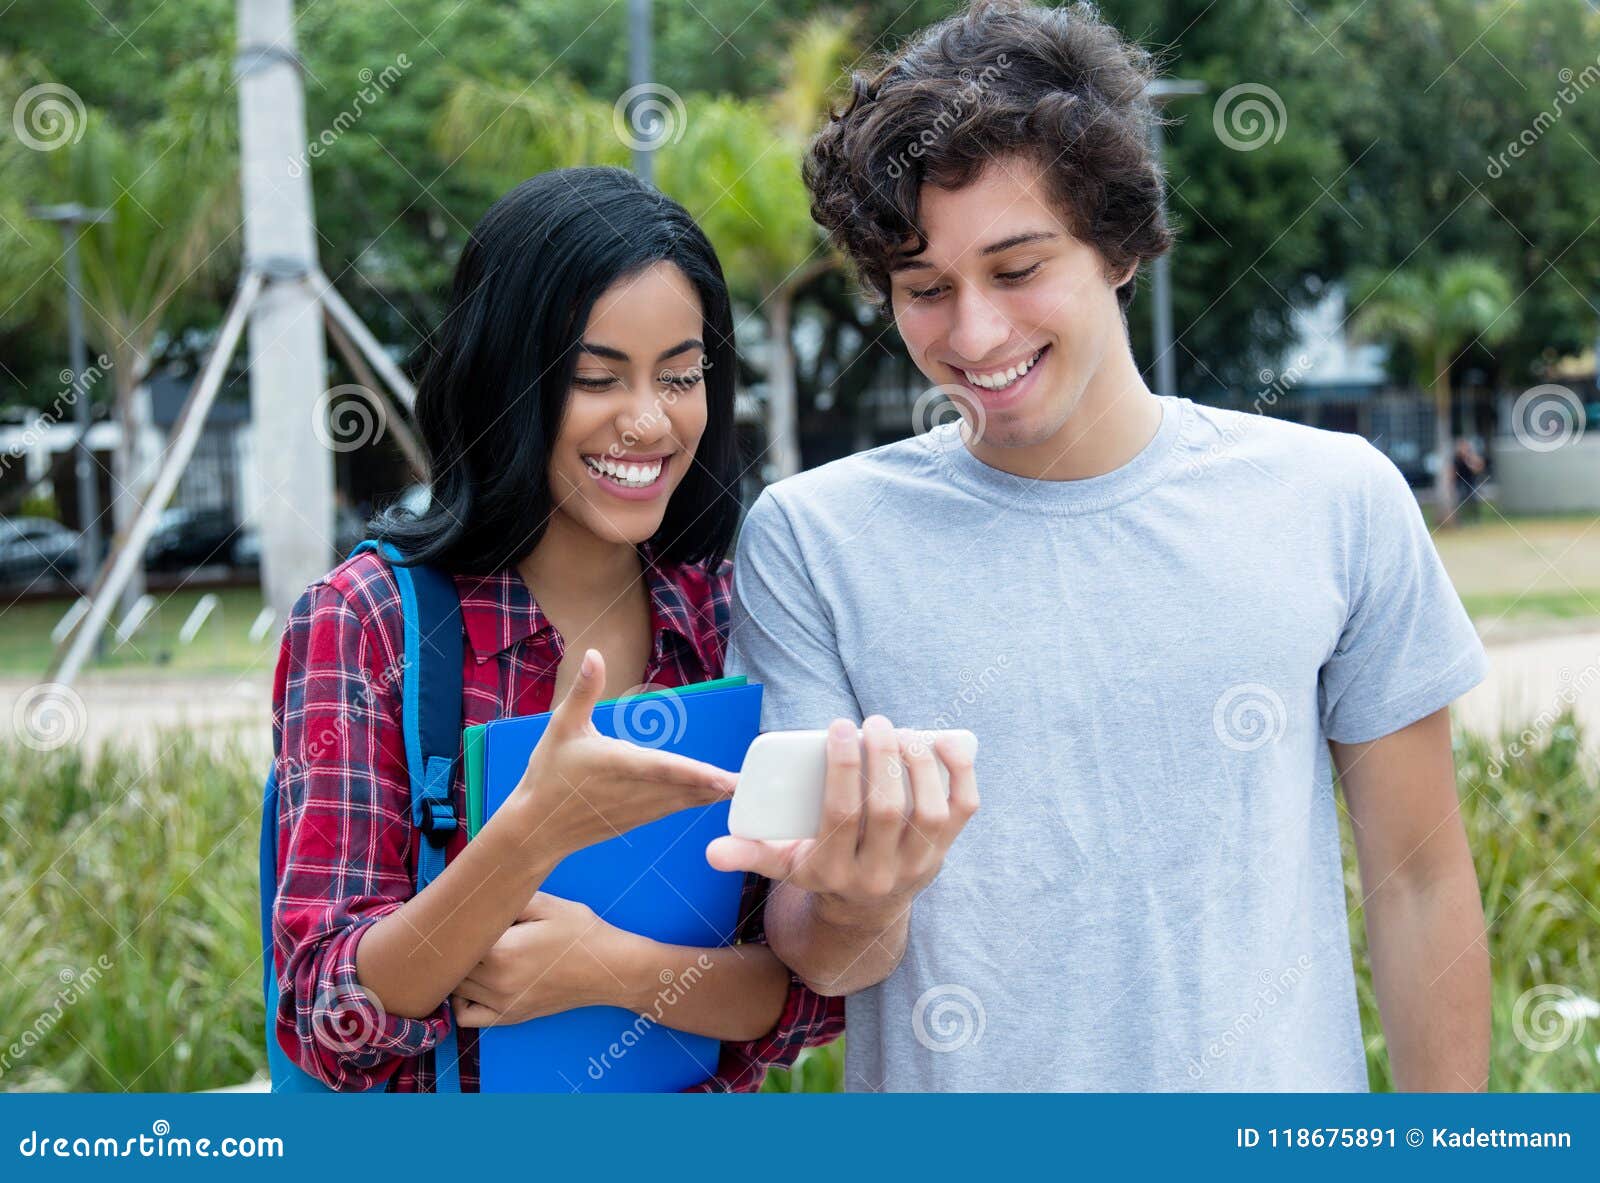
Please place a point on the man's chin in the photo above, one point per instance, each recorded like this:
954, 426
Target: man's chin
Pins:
1033, 425
1013, 435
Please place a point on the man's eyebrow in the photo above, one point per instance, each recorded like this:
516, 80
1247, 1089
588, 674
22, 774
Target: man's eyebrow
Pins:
613, 354
1027, 236
910, 263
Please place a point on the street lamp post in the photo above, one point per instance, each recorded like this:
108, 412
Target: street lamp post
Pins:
71, 218
638, 77
1161, 269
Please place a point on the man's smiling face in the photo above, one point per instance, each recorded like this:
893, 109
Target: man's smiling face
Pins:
1007, 304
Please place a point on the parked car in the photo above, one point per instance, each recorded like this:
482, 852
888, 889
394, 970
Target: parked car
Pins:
36, 551
186, 537
246, 548
348, 526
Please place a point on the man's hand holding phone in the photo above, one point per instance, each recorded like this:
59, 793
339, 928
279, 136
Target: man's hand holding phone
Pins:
838, 915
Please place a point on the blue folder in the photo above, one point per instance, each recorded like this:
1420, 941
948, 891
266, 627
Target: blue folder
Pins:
653, 880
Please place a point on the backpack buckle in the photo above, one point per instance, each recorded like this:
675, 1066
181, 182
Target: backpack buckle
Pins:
432, 811
438, 821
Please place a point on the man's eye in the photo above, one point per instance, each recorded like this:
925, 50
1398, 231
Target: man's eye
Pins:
1019, 276
923, 293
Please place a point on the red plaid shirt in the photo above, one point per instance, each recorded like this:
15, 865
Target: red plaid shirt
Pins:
346, 846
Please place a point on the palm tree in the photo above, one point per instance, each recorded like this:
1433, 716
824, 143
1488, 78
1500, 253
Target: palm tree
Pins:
1436, 312
733, 163
171, 188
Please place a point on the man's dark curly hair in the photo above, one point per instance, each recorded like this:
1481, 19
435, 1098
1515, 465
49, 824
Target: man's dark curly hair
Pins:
1059, 86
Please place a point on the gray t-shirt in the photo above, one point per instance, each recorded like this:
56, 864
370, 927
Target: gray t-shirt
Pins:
1151, 895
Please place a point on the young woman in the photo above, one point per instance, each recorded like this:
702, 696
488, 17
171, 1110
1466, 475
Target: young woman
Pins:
577, 406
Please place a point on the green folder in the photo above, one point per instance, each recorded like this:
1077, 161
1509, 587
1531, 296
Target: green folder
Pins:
472, 746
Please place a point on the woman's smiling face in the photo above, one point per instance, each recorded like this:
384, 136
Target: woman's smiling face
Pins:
636, 409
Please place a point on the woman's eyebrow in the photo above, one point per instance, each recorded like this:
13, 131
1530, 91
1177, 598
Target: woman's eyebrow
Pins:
682, 347
613, 354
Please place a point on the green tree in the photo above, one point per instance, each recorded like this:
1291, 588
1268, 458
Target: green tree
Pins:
1435, 92
734, 164
1436, 313
170, 188
1392, 116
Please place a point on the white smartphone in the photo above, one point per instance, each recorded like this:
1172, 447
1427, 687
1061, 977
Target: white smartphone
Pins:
779, 794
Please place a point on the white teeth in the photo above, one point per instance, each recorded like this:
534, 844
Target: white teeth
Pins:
1001, 378
633, 475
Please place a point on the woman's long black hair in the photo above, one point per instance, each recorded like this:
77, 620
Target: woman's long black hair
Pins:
499, 367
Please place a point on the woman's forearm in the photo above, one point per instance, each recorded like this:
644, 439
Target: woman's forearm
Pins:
733, 993
411, 959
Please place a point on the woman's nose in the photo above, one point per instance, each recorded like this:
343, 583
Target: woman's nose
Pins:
645, 416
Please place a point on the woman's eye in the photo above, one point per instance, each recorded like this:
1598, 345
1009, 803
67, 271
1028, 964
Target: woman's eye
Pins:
1018, 276
682, 381
593, 383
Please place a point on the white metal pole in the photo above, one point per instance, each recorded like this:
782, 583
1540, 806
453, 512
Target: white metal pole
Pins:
346, 318
288, 370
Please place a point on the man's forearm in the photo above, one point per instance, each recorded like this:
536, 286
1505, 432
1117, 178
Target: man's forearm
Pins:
1430, 970
833, 948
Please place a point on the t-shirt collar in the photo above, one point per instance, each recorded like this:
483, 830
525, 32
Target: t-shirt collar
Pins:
1090, 494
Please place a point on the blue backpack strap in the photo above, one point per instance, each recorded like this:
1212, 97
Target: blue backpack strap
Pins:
432, 724
280, 1068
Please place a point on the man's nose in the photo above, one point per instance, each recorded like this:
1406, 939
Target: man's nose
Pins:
978, 329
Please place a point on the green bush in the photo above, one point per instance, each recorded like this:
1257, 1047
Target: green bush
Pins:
128, 917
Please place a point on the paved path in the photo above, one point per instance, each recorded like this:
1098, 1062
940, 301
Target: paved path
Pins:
1529, 678
1531, 681
141, 707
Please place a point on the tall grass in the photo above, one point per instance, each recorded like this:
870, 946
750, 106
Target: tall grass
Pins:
1533, 824
129, 951
149, 864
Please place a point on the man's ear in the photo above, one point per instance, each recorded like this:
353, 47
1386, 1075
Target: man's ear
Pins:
1128, 274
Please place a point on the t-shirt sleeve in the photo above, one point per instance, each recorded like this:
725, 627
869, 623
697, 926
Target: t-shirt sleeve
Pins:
1407, 647
782, 633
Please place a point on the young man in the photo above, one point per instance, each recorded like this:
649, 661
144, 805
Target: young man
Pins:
1167, 624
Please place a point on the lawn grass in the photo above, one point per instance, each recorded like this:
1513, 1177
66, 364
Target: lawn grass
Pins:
222, 645
1534, 569
1534, 606
1507, 571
